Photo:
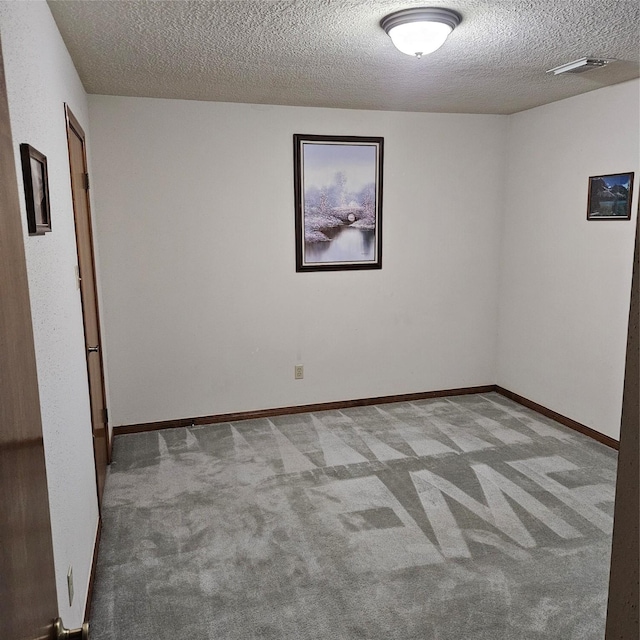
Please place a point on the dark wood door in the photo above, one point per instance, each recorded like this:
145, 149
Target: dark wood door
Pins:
623, 621
86, 266
28, 604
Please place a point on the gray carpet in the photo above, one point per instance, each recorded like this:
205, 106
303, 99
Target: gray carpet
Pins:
467, 518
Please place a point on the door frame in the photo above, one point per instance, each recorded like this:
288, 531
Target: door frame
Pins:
73, 127
28, 594
622, 606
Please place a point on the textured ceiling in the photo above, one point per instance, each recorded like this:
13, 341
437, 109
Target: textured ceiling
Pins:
333, 53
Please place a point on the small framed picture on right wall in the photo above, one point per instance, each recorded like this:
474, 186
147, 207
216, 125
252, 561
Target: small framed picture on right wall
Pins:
610, 197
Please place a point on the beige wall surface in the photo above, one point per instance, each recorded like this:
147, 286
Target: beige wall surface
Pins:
40, 79
204, 312
565, 281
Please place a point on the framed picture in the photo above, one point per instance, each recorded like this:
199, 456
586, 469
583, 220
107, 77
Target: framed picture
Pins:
36, 190
610, 197
338, 202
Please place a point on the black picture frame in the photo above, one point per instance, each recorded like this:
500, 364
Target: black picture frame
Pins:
338, 202
610, 197
36, 190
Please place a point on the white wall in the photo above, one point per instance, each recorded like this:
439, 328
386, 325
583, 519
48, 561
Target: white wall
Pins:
40, 78
565, 281
203, 310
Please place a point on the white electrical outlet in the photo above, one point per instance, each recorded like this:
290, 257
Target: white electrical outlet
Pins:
298, 372
70, 585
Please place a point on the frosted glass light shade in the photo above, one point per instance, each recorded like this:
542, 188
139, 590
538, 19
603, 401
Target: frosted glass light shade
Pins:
420, 30
419, 38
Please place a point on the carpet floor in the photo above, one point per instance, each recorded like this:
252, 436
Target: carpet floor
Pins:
463, 518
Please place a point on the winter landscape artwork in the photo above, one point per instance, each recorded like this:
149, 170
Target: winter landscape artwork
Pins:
338, 196
610, 197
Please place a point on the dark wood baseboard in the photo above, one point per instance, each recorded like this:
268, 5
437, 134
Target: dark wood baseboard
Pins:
92, 575
363, 402
110, 435
306, 408
558, 417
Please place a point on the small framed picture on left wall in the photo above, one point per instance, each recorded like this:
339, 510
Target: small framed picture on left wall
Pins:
36, 190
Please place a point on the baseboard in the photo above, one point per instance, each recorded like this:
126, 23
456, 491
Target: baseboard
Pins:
558, 417
306, 408
110, 444
92, 574
363, 402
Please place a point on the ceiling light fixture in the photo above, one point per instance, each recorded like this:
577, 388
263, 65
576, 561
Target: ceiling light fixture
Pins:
578, 66
420, 31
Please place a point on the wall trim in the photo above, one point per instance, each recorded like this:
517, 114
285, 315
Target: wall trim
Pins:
92, 573
304, 408
558, 417
363, 402
110, 451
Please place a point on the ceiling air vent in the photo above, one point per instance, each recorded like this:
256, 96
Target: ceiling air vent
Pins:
580, 66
